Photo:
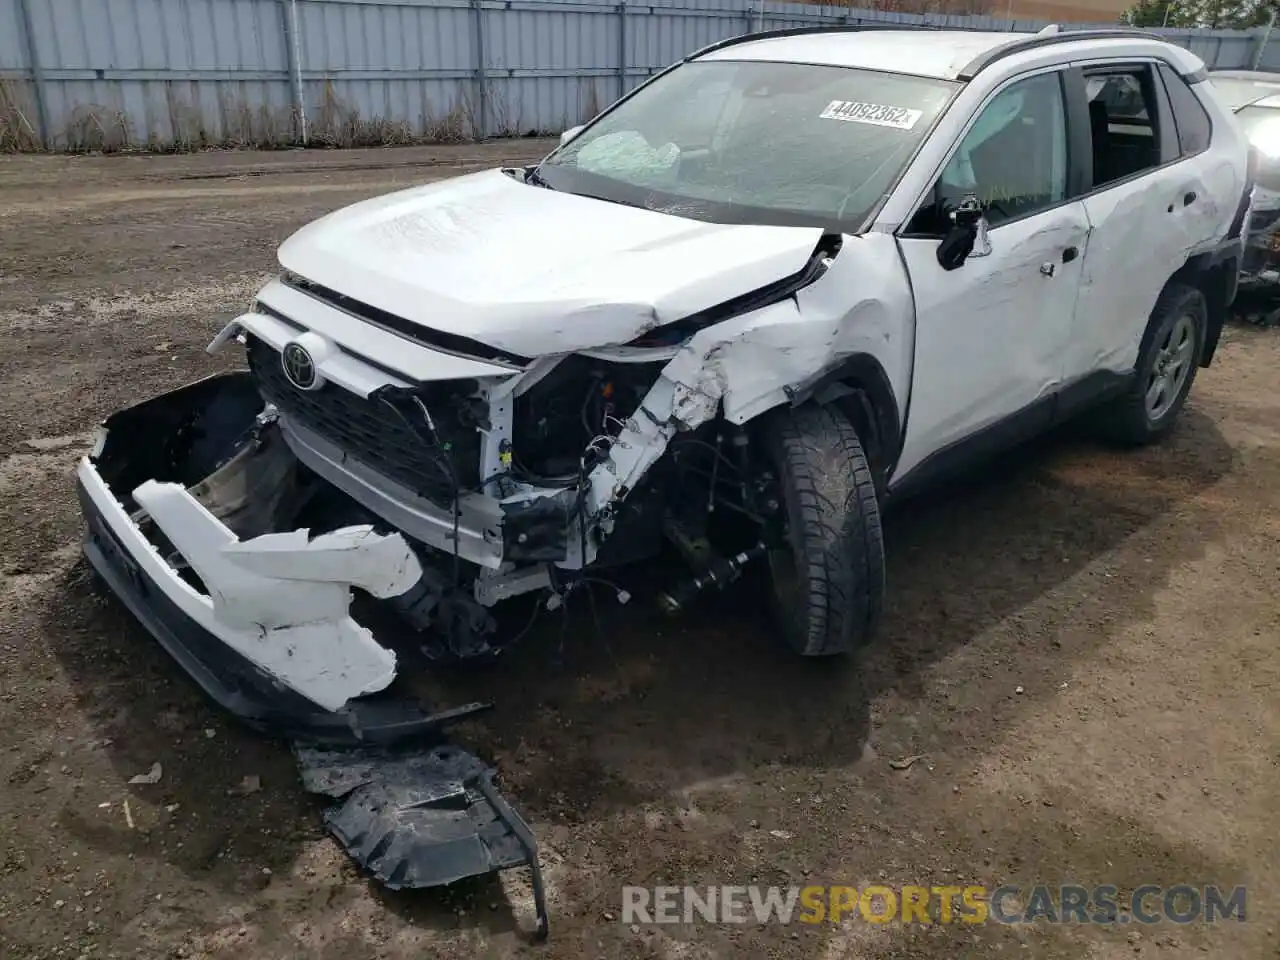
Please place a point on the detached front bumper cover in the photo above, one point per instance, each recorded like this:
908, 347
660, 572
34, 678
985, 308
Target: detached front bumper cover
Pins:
269, 637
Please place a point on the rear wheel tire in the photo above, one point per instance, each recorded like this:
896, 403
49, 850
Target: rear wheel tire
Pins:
1167, 366
827, 578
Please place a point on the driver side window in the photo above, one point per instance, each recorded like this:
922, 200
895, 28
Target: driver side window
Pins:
1013, 158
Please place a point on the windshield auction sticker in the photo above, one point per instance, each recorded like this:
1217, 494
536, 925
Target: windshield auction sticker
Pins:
876, 114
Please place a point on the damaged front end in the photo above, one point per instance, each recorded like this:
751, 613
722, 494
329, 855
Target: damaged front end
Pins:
251, 524
242, 564
367, 473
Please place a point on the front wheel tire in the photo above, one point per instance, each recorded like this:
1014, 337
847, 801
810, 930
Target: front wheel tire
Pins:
828, 576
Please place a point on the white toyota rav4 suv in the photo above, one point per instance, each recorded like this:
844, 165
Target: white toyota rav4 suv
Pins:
776, 286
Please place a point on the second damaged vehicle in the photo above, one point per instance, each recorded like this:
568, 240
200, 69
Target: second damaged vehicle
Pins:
1254, 98
789, 278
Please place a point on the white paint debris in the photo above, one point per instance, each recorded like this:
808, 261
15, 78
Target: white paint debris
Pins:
151, 776
251, 783
47, 444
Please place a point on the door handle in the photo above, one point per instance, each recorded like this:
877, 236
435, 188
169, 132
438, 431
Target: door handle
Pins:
1188, 198
1070, 254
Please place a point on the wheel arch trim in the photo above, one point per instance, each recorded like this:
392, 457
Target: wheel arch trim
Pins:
860, 387
1215, 273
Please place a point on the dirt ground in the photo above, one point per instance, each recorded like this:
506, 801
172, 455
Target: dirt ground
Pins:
1080, 646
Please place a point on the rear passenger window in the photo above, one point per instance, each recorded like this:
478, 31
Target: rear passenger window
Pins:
1189, 115
1123, 119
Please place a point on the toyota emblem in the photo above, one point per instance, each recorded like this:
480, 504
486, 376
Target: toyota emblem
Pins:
298, 366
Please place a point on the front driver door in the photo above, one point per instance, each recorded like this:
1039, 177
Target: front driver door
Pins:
991, 333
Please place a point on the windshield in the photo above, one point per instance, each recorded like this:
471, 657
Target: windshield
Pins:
754, 142
1262, 127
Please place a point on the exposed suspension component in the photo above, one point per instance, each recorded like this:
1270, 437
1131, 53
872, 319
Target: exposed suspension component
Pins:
721, 572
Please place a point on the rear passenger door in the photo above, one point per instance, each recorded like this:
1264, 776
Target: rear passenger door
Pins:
1150, 201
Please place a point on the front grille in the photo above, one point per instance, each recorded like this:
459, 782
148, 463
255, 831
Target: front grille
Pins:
370, 431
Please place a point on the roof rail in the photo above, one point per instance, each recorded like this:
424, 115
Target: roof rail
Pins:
801, 31
1035, 40
1020, 44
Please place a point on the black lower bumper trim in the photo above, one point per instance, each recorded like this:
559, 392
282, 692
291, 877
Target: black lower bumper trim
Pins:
421, 818
235, 683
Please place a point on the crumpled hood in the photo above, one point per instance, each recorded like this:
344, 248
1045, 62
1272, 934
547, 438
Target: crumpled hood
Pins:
535, 271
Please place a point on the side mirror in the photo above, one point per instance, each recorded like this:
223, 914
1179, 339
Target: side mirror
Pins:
570, 134
967, 236
955, 247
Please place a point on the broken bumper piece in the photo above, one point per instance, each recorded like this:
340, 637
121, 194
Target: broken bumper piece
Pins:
421, 819
230, 679
261, 623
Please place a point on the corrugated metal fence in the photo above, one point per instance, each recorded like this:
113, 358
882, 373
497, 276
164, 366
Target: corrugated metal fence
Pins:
175, 74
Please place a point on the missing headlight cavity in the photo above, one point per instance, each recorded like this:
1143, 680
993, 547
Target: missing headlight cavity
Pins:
581, 401
537, 530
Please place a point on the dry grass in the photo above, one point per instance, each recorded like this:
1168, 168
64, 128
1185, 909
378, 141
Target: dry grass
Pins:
18, 133
456, 126
96, 129
592, 105
337, 124
332, 123
247, 127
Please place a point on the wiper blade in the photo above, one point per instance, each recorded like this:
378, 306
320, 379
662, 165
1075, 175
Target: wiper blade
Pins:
531, 175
